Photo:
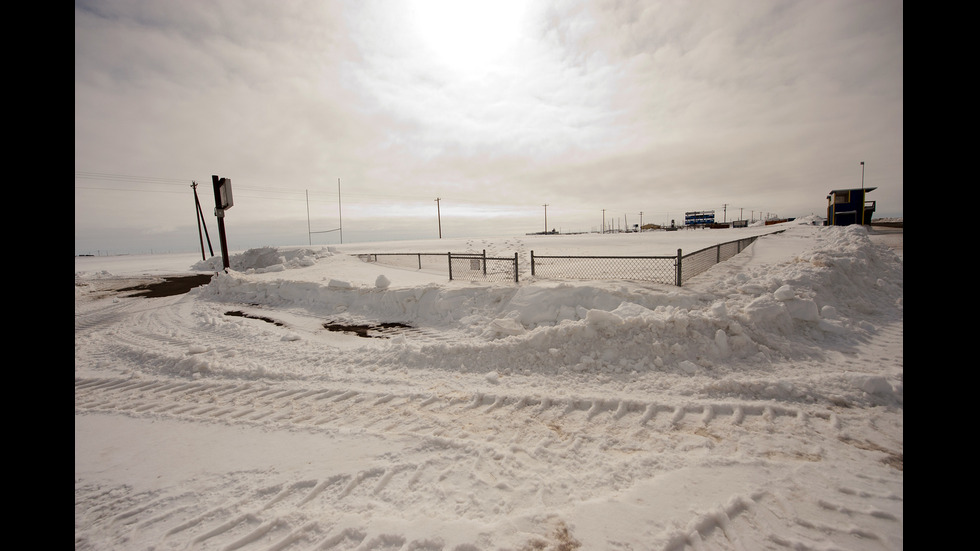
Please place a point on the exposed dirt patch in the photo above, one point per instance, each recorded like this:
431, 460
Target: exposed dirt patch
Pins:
365, 330
893, 459
563, 541
170, 286
244, 315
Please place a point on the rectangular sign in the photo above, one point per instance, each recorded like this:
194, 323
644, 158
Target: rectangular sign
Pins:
224, 193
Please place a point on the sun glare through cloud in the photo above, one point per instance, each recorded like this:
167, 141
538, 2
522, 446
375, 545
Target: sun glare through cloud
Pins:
467, 37
628, 109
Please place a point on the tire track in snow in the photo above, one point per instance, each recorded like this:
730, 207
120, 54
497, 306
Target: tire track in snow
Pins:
483, 453
303, 407
321, 513
460, 460
772, 519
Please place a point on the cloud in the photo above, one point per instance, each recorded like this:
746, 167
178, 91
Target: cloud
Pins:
627, 106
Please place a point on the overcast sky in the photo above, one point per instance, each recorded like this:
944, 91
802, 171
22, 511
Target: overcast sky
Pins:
360, 114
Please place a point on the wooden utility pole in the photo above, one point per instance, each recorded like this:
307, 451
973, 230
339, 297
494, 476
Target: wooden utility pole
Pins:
200, 222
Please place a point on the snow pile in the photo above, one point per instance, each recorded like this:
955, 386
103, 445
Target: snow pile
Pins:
742, 318
264, 260
760, 403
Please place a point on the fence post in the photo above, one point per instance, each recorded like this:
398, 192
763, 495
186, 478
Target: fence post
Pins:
420, 261
449, 255
532, 263
677, 277
484, 263
515, 268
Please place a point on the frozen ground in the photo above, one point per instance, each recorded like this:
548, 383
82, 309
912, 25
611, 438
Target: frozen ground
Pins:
759, 406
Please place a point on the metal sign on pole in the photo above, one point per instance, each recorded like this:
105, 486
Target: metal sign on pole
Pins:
222, 201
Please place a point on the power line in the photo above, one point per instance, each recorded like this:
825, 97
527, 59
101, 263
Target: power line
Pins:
260, 192
271, 192
128, 190
324, 196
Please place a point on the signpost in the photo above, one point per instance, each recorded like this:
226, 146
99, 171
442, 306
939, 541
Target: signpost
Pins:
222, 201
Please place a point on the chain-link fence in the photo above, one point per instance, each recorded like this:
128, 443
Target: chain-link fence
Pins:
480, 266
698, 262
459, 265
660, 269
428, 261
669, 270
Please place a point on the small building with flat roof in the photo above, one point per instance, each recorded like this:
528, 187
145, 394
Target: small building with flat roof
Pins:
849, 206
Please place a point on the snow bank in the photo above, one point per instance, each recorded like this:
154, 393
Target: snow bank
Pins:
741, 315
264, 260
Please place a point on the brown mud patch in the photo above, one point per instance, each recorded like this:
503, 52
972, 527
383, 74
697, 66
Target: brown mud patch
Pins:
170, 286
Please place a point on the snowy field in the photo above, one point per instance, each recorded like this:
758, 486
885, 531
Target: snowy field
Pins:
759, 406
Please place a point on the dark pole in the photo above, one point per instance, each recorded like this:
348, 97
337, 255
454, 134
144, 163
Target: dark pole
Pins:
862, 192
679, 272
197, 213
220, 214
206, 234
201, 222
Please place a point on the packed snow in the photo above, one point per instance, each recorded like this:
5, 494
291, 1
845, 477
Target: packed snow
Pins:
305, 398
